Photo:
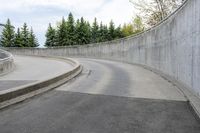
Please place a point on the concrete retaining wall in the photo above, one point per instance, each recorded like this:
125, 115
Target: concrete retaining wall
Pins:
6, 62
172, 47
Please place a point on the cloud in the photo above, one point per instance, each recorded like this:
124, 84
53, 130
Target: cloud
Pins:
38, 13
119, 11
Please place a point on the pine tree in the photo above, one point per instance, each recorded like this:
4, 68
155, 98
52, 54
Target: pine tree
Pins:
101, 33
87, 32
61, 34
105, 33
32, 39
111, 31
70, 30
18, 39
118, 33
8, 35
25, 35
77, 32
82, 32
50, 37
94, 32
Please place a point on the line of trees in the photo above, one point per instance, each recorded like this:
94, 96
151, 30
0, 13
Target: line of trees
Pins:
21, 38
80, 32
69, 32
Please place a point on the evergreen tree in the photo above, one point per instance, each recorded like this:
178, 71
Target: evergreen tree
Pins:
105, 33
61, 39
94, 32
25, 36
8, 35
82, 32
32, 39
118, 33
70, 30
88, 32
101, 33
111, 31
18, 39
50, 37
77, 32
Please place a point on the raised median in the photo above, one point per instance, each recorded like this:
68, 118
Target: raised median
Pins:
6, 62
17, 93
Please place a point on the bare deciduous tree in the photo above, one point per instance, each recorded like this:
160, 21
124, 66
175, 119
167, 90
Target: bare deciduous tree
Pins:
153, 11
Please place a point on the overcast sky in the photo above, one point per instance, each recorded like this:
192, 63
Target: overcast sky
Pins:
38, 13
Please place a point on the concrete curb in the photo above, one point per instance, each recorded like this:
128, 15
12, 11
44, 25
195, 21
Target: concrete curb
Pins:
14, 95
191, 97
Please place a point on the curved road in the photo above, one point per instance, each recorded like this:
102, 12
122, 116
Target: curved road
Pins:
108, 97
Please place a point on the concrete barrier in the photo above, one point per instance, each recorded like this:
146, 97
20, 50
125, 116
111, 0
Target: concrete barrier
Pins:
14, 95
6, 62
171, 49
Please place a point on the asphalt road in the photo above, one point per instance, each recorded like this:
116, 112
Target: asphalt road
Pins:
108, 97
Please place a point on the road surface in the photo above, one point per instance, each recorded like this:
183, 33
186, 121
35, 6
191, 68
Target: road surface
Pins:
108, 97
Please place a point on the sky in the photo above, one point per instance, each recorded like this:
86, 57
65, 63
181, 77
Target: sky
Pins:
39, 13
